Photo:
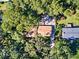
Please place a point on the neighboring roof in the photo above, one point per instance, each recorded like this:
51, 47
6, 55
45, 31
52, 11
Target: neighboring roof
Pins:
70, 33
3, 0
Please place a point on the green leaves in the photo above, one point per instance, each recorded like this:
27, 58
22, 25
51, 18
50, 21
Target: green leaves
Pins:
16, 37
21, 15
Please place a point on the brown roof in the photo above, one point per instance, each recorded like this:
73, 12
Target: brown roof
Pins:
44, 30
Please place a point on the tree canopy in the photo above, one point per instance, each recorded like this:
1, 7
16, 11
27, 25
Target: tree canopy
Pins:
21, 15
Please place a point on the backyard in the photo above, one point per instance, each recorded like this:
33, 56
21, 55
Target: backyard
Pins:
70, 19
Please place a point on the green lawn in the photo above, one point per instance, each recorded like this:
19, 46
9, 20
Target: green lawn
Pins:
72, 19
2, 6
76, 56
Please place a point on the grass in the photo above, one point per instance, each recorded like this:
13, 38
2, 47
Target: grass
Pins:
76, 56
71, 19
2, 6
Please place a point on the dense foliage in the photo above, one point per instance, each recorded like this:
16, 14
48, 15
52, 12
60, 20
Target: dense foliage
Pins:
21, 15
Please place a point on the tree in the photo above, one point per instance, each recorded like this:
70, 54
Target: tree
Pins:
21, 15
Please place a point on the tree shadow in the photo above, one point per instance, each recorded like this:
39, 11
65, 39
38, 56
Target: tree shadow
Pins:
67, 5
74, 46
60, 16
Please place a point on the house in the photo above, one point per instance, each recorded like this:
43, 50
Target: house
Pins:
46, 27
70, 33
